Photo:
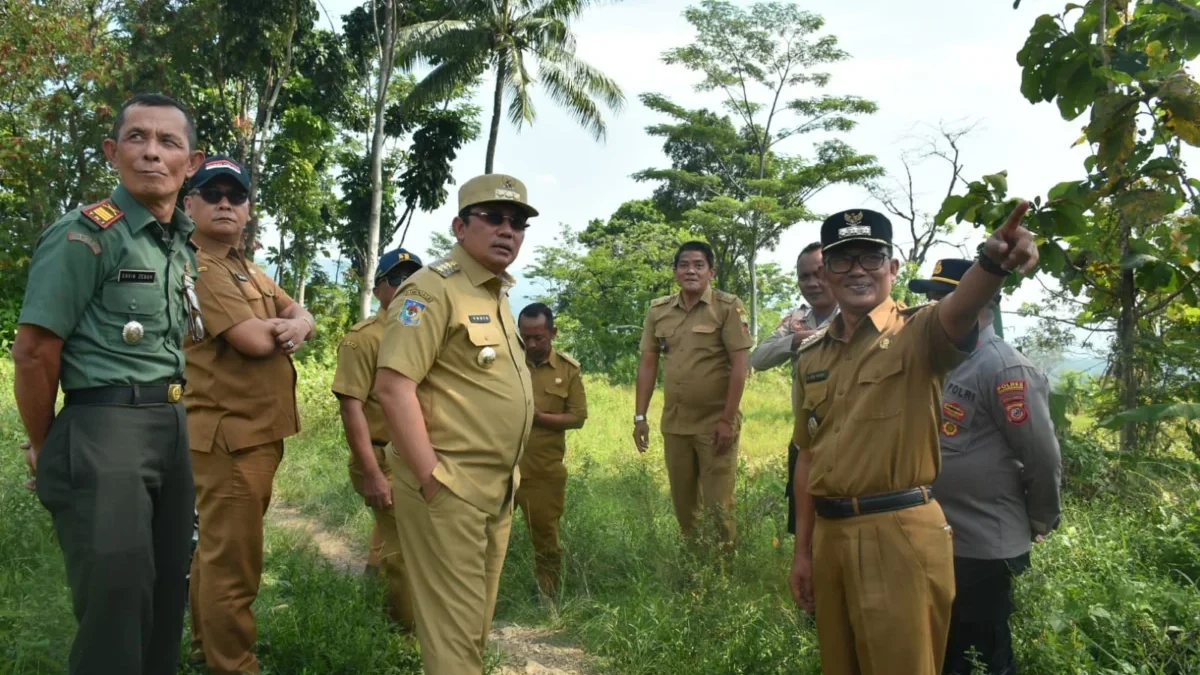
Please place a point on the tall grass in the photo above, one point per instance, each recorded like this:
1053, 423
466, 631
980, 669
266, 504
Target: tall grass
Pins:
1114, 591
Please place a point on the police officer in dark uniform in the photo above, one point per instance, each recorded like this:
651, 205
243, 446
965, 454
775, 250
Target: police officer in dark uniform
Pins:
106, 309
999, 484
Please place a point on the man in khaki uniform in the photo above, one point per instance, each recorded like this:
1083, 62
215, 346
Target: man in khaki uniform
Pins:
702, 334
797, 326
241, 404
366, 428
560, 404
459, 405
873, 554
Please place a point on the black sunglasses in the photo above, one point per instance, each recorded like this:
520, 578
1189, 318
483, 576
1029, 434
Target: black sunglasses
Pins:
518, 222
394, 279
214, 195
840, 263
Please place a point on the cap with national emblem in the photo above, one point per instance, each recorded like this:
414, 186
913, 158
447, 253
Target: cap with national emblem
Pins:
947, 272
393, 258
494, 187
220, 165
862, 225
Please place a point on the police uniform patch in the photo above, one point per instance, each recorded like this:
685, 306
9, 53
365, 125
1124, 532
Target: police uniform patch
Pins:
949, 429
410, 313
103, 214
954, 411
1016, 411
1011, 387
86, 240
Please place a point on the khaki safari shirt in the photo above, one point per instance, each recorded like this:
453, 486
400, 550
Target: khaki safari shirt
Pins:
235, 400
101, 268
355, 376
441, 327
696, 345
868, 404
557, 389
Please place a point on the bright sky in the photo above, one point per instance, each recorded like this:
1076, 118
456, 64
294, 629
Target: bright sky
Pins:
948, 61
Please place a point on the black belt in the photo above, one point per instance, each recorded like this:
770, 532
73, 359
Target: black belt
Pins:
129, 394
849, 507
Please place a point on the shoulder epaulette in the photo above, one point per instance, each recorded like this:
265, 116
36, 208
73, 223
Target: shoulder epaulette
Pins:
725, 297
812, 340
659, 302
103, 214
363, 324
569, 359
908, 311
445, 267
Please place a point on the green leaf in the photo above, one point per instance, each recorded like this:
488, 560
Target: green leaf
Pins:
1180, 97
1068, 220
1114, 128
1130, 63
1135, 260
1154, 413
1058, 412
950, 206
999, 182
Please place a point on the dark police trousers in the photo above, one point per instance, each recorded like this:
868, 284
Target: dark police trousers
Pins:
117, 480
983, 604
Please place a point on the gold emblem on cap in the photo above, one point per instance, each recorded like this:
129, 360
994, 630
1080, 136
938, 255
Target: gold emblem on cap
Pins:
937, 268
487, 356
812, 425
854, 217
132, 333
508, 184
885, 343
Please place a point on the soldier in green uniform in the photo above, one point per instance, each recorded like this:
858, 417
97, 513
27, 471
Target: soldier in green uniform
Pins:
106, 309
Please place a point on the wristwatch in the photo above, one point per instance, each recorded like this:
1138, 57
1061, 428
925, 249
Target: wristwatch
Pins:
639, 418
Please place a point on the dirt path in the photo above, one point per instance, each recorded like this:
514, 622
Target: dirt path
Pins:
525, 651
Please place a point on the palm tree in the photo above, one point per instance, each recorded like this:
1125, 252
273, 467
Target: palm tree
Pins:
504, 37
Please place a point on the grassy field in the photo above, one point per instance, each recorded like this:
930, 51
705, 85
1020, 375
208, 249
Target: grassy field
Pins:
1114, 591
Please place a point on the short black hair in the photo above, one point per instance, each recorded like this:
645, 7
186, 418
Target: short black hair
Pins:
814, 247
157, 101
700, 246
536, 309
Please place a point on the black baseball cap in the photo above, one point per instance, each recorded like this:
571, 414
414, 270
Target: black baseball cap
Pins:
220, 165
856, 225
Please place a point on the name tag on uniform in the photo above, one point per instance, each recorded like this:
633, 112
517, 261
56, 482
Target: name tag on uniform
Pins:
816, 376
137, 276
241, 277
480, 318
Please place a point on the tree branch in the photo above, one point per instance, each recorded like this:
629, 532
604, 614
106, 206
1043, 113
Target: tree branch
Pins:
1167, 300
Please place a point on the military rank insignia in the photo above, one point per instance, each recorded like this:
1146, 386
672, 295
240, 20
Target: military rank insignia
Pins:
103, 214
410, 313
954, 411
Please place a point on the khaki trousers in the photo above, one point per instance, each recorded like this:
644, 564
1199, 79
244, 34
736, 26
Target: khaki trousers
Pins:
542, 499
454, 554
385, 548
884, 586
701, 478
233, 490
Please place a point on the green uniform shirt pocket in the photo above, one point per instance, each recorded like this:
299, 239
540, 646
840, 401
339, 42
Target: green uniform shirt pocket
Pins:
134, 299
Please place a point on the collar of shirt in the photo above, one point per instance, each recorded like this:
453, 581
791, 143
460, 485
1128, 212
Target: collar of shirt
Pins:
476, 272
139, 216
705, 297
551, 361
217, 249
881, 318
810, 316
986, 334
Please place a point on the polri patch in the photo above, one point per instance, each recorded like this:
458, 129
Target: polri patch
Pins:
86, 240
480, 318
1016, 412
410, 313
137, 276
816, 376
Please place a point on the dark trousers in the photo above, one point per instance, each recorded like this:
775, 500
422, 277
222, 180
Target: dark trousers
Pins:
983, 605
117, 480
789, 489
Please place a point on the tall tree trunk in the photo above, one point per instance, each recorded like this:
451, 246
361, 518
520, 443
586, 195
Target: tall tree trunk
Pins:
754, 290
282, 254
497, 107
387, 52
1126, 339
301, 284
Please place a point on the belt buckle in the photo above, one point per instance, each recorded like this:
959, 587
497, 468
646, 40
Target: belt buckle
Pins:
174, 393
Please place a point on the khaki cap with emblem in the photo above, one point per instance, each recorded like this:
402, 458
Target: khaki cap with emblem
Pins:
494, 187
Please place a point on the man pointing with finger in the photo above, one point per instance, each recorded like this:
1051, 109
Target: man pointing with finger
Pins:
874, 554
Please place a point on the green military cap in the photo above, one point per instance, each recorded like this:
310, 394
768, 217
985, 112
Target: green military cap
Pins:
494, 187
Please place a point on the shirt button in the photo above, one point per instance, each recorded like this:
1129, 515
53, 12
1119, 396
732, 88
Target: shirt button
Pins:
840, 392
837, 430
133, 304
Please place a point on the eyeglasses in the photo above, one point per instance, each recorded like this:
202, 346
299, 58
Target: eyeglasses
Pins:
518, 222
840, 263
395, 279
214, 195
